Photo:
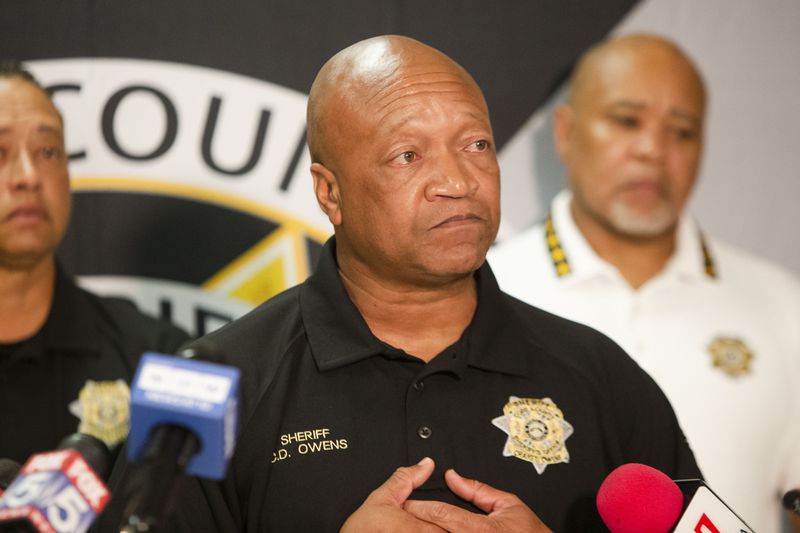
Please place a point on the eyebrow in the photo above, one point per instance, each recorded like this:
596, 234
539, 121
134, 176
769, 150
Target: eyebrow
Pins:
41, 128
677, 113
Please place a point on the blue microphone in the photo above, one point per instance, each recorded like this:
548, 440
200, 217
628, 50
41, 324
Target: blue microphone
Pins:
198, 396
184, 419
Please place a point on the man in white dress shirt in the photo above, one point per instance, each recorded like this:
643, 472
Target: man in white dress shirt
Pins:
718, 329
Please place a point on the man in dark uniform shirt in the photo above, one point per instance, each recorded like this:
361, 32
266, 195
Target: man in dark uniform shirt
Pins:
65, 354
401, 350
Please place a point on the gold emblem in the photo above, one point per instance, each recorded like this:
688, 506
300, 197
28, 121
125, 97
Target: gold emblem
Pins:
536, 430
731, 355
103, 407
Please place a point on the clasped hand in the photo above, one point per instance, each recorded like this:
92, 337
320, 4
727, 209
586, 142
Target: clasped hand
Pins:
388, 509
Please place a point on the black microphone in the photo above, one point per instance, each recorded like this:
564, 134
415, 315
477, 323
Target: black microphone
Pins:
791, 501
8, 471
93, 450
59, 491
184, 413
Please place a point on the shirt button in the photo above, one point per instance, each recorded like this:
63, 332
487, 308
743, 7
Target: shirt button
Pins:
418, 386
424, 432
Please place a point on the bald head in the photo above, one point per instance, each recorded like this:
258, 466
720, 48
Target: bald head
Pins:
603, 62
352, 82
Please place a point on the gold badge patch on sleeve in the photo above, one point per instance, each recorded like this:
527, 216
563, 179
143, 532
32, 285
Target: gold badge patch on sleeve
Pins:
103, 408
731, 355
536, 431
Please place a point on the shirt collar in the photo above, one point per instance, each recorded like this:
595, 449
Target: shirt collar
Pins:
338, 334
692, 259
583, 261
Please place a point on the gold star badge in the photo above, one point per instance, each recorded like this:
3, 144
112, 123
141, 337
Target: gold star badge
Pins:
536, 430
731, 355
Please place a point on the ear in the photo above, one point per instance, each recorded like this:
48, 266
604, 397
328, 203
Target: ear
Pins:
326, 188
562, 130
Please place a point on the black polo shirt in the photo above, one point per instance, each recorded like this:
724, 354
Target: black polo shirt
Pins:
330, 411
85, 337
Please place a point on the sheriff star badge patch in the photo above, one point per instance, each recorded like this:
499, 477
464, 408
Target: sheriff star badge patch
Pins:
537, 431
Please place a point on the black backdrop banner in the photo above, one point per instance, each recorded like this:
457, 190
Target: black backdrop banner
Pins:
518, 51
185, 125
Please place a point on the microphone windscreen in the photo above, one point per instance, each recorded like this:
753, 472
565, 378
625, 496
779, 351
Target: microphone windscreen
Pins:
94, 451
8, 471
636, 498
791, 501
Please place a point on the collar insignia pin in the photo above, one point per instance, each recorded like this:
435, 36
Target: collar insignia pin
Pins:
536, 431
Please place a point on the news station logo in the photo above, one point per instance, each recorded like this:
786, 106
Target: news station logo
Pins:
191, 190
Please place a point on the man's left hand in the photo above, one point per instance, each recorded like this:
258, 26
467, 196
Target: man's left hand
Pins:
504, 511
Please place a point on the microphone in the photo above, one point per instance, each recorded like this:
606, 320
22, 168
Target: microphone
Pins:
8, 471
59, 491
636, 497
184, 418
791, 501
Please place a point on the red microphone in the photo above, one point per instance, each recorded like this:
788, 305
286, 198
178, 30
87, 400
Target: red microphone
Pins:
636, 498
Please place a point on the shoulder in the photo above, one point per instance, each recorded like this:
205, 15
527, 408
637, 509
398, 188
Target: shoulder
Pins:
736, 263
260, 341
580, 347
121, 322
272, 324
756, 277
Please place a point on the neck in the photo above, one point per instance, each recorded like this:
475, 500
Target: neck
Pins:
25, 299
422, 321
638, 259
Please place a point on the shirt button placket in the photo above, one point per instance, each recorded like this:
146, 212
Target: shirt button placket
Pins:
418, 420
424, 432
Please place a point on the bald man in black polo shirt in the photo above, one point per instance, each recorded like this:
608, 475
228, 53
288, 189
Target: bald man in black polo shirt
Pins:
65, 354
401, 350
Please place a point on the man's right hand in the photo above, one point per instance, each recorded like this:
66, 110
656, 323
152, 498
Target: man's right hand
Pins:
383, 509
